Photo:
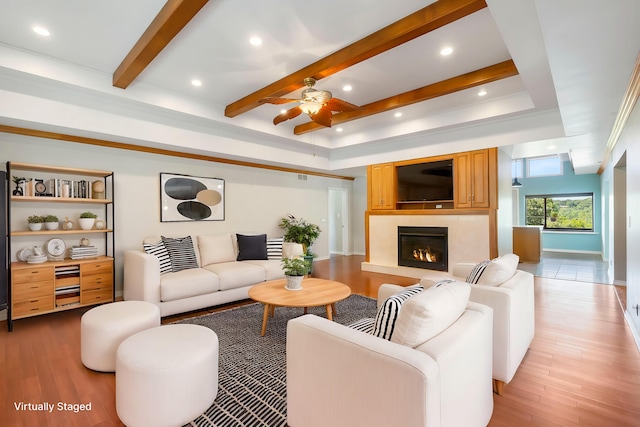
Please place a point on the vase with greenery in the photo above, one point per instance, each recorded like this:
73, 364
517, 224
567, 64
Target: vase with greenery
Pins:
51, 222
302, 232
35, 222
86, 220
294, 271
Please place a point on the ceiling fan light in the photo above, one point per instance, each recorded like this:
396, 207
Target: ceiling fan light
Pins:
310, 107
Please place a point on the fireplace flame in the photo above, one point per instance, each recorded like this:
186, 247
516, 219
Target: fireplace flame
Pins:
424, 255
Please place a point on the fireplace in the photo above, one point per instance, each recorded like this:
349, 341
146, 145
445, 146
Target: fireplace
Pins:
423, 247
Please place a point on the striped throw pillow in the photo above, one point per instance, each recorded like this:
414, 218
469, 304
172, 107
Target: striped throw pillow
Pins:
274, 248
181, 253
389, 311
477, 271
159, 251
363, 325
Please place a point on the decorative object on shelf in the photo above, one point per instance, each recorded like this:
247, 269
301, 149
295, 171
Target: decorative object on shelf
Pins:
85, 242
67, 224
87, 219
19, 182
294, 271
38, 257
23, 254
56, 249
40, 187
99, 224
191, 198
35, 222
303, 232
51, 222
97, 189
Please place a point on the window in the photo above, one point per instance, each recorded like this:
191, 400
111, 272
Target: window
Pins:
516, 169
544, 166
561, 211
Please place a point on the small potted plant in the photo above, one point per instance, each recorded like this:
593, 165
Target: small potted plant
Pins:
86, 220
51, 222
294, 271
303, 232
35, 222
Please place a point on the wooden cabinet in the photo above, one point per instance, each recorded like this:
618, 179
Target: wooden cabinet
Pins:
382, 186
55, 286
59, 283
473, 179
526, 243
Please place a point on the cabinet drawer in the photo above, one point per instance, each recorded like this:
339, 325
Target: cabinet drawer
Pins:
67, 281
96, 296
97, 267
32, 290
32, 306
36, 274
97, 281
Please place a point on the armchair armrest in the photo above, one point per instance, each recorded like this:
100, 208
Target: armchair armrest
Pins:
337, 376
141, 277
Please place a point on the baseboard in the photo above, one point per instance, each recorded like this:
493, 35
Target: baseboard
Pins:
572, 251
620, 282
634, 332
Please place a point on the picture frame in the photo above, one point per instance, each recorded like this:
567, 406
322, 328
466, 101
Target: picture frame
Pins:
191, 198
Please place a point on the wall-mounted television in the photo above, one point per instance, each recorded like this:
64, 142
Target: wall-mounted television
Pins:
424, 182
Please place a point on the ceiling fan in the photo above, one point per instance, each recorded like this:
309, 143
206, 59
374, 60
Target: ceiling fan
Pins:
318, 104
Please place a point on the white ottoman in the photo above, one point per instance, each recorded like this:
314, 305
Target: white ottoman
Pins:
103, 328
166, 376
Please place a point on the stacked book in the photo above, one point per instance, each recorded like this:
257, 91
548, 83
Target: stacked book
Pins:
82, 252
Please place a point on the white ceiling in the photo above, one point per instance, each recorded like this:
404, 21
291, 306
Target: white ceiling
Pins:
574, 64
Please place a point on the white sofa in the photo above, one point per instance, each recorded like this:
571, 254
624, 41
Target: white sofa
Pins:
510, 293
218, 277
343, 377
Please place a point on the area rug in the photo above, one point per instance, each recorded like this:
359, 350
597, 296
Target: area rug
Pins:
252, 369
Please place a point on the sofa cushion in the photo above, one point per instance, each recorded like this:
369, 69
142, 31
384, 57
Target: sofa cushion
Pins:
159, 250
272, 268
187, 283
389, 310
425, 315
216, 248
499, 270
274, 247
252, 247
237, 274
181, 253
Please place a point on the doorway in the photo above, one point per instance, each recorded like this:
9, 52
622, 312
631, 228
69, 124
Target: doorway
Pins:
620, 222
338, 221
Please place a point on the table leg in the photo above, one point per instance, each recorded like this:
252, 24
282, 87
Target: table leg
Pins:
333, 308
265, 317
305, 310
329, 314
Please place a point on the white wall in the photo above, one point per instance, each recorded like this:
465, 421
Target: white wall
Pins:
628, 143
358, 208
505, 204
255, 199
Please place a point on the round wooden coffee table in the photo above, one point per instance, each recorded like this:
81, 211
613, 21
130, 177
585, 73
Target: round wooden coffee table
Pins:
314, 293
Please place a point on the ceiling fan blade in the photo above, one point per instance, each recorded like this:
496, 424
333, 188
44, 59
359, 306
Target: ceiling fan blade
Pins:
289, 114
274, 100
322, 117
335, 104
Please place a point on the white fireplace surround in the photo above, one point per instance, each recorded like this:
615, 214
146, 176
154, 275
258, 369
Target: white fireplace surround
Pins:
468, 240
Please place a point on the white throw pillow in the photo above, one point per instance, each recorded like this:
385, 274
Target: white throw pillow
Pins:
425, 315
216, 248
499, 270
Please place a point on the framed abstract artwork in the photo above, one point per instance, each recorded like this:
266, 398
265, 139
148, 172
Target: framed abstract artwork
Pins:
191, 198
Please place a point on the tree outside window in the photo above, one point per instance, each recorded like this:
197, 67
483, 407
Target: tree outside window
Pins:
560, 212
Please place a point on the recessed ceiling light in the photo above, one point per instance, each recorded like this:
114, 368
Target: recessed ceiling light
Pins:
347, 88
196, 82
283, 111
41, 31
398, 114
446, 51
256, 41
338, 129
482, 92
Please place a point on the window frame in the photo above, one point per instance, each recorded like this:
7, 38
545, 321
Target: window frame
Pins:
534, 159
559, 196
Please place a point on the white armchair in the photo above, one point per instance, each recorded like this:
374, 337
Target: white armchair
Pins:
512, 302
339, 376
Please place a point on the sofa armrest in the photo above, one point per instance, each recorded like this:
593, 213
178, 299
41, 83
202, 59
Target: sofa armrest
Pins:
141, 277
462, 269
342, 377
386, 290
513, 318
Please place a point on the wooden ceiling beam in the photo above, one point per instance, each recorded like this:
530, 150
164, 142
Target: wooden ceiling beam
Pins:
488, 74
432, 17
171, 19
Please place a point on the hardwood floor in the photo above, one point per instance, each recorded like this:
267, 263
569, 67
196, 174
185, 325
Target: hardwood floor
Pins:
582, 369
